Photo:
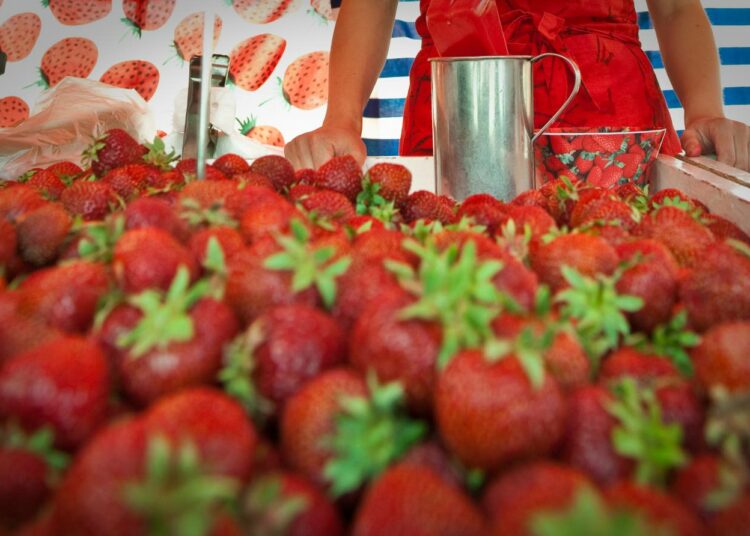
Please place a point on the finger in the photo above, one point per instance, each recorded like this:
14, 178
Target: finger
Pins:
321, 152
742, 147
298, 153
359, 152
691, 142
723, 141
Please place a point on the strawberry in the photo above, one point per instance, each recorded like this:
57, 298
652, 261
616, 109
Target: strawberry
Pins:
702, 486
231, 165
66, 296
282, 502
538, 219
75, 13
631, 163
188, 35
88, 199
583, 164
19, 34
394, 181
146, 14
686, 238
263, 11
229, 240
253, 60
283, 348
265, 134
130, 180
341, 174
150, 212
560, 145
719, 358
13, 110
41, 234
8, 243
490, 215
207, 194
627, 361
717, 289
491, 413
409, 499
608, 178
140, 75
734, 519
187, 168
609, 212
305, 83
267, 217
723, 229
71, 370
608, 142
20, 332
329, 204
114, 149
276, 168
149, 258
251, 178
19, 200
72, 56
47, 183
674, 197
426, 205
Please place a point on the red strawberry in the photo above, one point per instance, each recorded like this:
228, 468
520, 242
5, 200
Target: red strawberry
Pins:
608, 178
62, 384
723, 228
560, 145
231, 165
114, 149
41, 234
265, 134
130, 180
426, 205
329, 204
409, 499
734, 519
631, 163
20, 332
608, 142
90, 200
140, 75
65, 170
717, 289
228, 238
24, 482
253, 60
305, 82
282, 502
188, 35
695, 484
251, 178
341, 174
627, 361
583, 164
263, 11
150, 212
149, 258
490, 215
394, 181
73, 56
276, 168
146, 14
490, 413
720, 358
267, 218
47, 183
675, 196
75, 12
538, 219
13, 110
208, 194
686, 238
19, 34
8, 242
18, 200
301, 190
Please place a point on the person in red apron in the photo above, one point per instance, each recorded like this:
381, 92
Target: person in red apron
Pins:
619, 85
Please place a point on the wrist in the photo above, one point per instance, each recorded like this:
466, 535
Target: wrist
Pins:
343, 120
694, 116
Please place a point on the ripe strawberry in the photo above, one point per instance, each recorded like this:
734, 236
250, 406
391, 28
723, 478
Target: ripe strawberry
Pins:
8, 242
719, 359
24, 486
341, 174
151, 212
19, 34
329, 204
305, 83
146, 15
610, 143
130, 180
490, 215
47, 183
409, 499
88, 199
18, 200
717, 289
733, 520
586, 253
62, 384
630, 164
276, 168
75, 12
231, 165
149, 258
583, 164
266, 218
490, 413
114, 149
253, 60
609, 176
686, 238
301, 190
188, 35
20, 332
426, 205
73, 56
695, 483
538, 219
13, 110
140, 75
251, 178
265, 134
394, 181
228, 238
675, 197
560, 145
627, 361
65, 170
282, 502
41, 234
724, 229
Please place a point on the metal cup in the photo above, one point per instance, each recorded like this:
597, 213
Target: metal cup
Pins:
483, 124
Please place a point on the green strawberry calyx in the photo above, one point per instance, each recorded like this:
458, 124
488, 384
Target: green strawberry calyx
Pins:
310, 266
40, 443
157, 155
529, 348
166, 317
370, 434
196, 215
671, 340
177, 495
517, 243
91, 153
215, 266
642, 435
98, 239
371, 203
270, 510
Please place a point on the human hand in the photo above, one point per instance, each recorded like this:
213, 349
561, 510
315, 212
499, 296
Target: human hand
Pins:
313, 149
729, 140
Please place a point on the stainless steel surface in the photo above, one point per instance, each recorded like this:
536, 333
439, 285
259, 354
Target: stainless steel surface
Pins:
483, 124
193, 133
3, 61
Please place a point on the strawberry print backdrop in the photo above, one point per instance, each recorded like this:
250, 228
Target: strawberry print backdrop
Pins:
278, 47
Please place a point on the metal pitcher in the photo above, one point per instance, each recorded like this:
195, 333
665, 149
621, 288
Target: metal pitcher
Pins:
483, 124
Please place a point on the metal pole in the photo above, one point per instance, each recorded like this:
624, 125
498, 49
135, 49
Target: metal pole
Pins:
206, 61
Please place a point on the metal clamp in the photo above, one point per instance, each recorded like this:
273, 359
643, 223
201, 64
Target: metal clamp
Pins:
194, 135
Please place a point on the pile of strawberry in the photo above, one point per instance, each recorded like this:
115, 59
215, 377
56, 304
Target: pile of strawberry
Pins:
322, 353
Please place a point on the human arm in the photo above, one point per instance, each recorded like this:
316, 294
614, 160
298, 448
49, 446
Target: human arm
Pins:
690, 58
358, 51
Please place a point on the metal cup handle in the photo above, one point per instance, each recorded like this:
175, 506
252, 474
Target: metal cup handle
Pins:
576, 87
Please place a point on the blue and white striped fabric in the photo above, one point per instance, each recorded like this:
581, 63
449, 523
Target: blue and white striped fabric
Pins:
731, 24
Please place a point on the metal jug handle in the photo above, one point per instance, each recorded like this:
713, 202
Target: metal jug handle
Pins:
576, 87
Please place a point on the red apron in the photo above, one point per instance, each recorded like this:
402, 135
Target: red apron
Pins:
619, 85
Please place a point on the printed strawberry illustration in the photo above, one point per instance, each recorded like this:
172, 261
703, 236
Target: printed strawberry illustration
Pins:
261, 133
146, 14
18, 35
254, 59
77, 12
13, 110
140, 75
188, 35
324, 9
72, 56
264, 11
305, 81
